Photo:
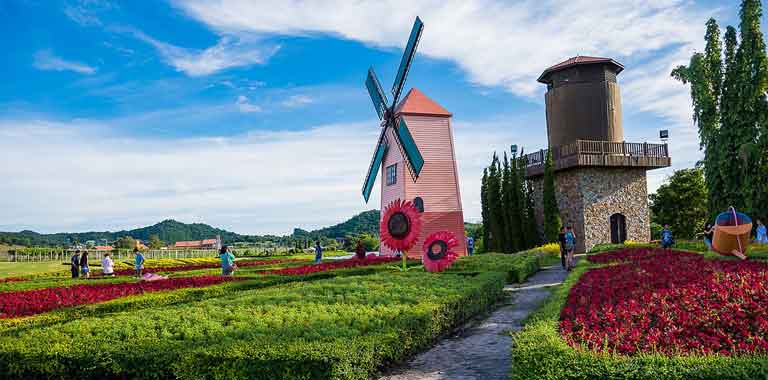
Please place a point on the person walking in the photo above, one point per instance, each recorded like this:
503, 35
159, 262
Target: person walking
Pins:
74, 264
666, 237
360, 250
107, 266
709, 234
84, 269
570, 245
561, 242
227, 261
318, 252
761, 233
138, 262
470, 245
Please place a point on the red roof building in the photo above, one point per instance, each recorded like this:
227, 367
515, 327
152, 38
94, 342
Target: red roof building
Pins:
196, 244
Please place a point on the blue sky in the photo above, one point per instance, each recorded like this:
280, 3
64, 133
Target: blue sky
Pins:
254, 117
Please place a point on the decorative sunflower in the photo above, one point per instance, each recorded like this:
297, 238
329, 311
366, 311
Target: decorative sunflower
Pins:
400, 226
438, 251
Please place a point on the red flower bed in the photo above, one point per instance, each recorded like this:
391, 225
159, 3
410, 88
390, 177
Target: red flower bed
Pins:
634, 254
323, 267
672, 303
31, 302
182, 268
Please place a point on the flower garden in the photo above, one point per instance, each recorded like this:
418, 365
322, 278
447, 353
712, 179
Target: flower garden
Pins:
639, 313
275, 319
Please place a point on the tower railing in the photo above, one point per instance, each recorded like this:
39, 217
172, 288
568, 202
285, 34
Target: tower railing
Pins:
600, 153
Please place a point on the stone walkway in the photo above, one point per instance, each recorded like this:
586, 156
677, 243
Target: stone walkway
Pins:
480, 350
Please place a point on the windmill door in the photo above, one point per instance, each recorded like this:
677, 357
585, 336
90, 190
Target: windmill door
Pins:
618, 229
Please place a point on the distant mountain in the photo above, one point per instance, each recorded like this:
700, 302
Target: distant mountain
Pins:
171, 231
365, 222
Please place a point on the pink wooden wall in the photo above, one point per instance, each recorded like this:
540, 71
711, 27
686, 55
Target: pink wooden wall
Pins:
438, 183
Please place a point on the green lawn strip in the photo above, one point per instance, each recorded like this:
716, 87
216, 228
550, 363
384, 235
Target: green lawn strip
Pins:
539, 352
339, 328
178, 296
25, 269
517, 266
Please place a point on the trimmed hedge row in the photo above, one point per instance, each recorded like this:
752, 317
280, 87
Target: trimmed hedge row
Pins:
339, 328
539, 352
518, 266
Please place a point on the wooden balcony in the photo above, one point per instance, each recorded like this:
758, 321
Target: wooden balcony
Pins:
584, 153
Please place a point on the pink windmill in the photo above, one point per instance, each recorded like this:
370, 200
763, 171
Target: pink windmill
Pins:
420, 131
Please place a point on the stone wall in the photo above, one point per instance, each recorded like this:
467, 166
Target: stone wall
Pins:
587, 197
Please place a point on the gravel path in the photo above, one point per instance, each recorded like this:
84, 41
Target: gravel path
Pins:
480, 350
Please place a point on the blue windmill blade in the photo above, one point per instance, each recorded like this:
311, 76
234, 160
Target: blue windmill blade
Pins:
373, 168
377, 94
409, 149
405, 62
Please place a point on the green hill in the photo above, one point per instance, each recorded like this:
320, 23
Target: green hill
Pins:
365, 222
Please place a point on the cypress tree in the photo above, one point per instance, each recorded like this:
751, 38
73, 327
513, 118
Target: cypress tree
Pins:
532, 232
552, 221
495, 212
506, 199
515, 213
484, 207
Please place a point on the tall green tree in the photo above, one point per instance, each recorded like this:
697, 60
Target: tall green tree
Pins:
685, 187
506, 199
728, 92
552, 222
495, 211
484, 207
515, 222
155, 242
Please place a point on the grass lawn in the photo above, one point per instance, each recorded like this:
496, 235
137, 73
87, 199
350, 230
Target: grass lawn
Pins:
19, 269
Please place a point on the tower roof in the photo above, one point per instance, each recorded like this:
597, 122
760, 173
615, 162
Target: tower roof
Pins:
580, 60
416, 103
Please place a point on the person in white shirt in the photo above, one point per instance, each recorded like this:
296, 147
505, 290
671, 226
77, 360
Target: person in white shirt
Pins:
107, 266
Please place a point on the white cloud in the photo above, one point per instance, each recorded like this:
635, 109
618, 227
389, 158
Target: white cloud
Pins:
84, 12
46, 60
508, 44
298, 100
245, 106
80, 176
229, 52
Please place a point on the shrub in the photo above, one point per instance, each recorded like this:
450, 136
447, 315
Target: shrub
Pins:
517, 266
341, 328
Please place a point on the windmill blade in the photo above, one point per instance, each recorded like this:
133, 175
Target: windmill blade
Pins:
405, 63
408, 148
377, 94
373, 168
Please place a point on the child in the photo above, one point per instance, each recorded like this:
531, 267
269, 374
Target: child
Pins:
570, 245
107, 266
84, 265
666, 237
762, 233
75, 264
139, 263
227, 261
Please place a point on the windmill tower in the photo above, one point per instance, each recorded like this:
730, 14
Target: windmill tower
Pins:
415, 154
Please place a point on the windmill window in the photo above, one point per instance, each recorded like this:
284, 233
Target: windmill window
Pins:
391, 174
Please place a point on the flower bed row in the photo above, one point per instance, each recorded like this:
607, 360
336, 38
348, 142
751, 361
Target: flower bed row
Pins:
634, 254
341, 264
670, 303
31, 302
183, 268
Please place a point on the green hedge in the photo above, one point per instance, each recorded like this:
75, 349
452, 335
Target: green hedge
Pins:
539, 352
339, 328
517, 266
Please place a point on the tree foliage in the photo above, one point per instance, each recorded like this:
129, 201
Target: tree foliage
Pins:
681, 203
552, 222
728, 90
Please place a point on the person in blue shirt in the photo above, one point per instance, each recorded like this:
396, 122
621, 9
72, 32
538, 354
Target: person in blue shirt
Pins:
570, 246
227, 261
761, 233
318, 252
139, 262
666, 237
470, 245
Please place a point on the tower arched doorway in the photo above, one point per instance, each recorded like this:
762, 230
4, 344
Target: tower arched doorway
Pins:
618, 228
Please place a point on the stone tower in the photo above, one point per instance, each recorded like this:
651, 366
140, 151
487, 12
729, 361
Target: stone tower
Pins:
600, 179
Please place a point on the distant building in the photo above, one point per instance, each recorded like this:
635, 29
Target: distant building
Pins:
104, 248
197, 244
